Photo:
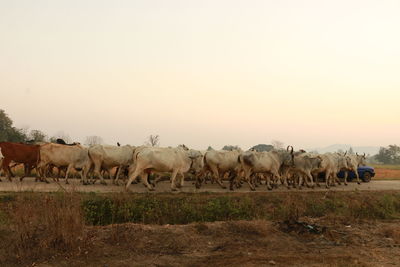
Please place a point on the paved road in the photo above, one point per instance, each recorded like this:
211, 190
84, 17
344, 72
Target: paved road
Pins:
28, 184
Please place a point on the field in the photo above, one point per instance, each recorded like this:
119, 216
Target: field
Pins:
345, 226
357, 228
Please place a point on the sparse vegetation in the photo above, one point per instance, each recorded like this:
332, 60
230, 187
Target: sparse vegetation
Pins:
37, 226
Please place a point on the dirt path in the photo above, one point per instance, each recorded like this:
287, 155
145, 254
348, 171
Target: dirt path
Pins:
29, 184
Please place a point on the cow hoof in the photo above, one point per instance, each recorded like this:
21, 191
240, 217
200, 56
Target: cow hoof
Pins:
253, 189
224, 187
103, 183
174, 189
179, 186
358, 183
68, 182
312, 187
345, 184
151, 189
269, 188
327, 187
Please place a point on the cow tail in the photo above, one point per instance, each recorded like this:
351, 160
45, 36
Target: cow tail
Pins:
38, 157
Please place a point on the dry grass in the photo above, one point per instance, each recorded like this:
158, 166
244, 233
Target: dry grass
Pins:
386, 166
40, 227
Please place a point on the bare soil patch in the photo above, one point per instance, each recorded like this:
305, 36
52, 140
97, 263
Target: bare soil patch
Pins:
240, 243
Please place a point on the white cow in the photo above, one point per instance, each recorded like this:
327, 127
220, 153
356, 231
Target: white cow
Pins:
178, 160
331, 164
353, 162
265, 162
107, 157
70, 156
219, 162
303, 165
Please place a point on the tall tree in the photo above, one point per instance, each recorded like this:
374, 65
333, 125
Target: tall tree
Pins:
93, 140
8, 132
153, 140
231, 148
277, 144
37, 136
262, 147
60, 135
389, 155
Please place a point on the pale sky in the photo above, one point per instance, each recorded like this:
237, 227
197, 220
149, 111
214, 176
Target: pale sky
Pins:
309, 73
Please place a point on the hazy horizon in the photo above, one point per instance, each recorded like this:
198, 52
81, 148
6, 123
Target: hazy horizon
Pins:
307, 73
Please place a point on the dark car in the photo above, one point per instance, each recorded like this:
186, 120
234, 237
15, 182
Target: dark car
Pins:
364, 172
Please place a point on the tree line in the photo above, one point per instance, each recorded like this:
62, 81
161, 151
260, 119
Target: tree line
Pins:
10, 133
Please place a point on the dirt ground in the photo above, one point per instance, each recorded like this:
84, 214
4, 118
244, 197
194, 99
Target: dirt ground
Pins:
241, 243
29, 184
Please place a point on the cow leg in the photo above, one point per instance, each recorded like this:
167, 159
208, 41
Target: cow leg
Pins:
181, 179
102, 181
134, 176
27, 171
117, 173
247, 178
327, 179
6, 168
232, 180
316, 180
357, 176
40, 172
216, 176
346, 174
199, 179
97, 171
309, 176
173, 178
67, 173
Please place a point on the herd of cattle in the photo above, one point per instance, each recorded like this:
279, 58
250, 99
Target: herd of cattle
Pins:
288, 167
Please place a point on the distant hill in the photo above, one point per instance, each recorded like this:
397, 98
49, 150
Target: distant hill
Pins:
371, 150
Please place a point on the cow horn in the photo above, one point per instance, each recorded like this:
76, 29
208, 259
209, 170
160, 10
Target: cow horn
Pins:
345, 153
364, 154
287, 149
291, 151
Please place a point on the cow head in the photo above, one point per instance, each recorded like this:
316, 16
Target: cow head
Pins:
183, 147
197, 161
286, 156
361, 159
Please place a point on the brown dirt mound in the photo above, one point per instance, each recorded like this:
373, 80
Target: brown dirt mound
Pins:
241, 243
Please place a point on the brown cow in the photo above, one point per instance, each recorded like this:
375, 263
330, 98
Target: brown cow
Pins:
19, 153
